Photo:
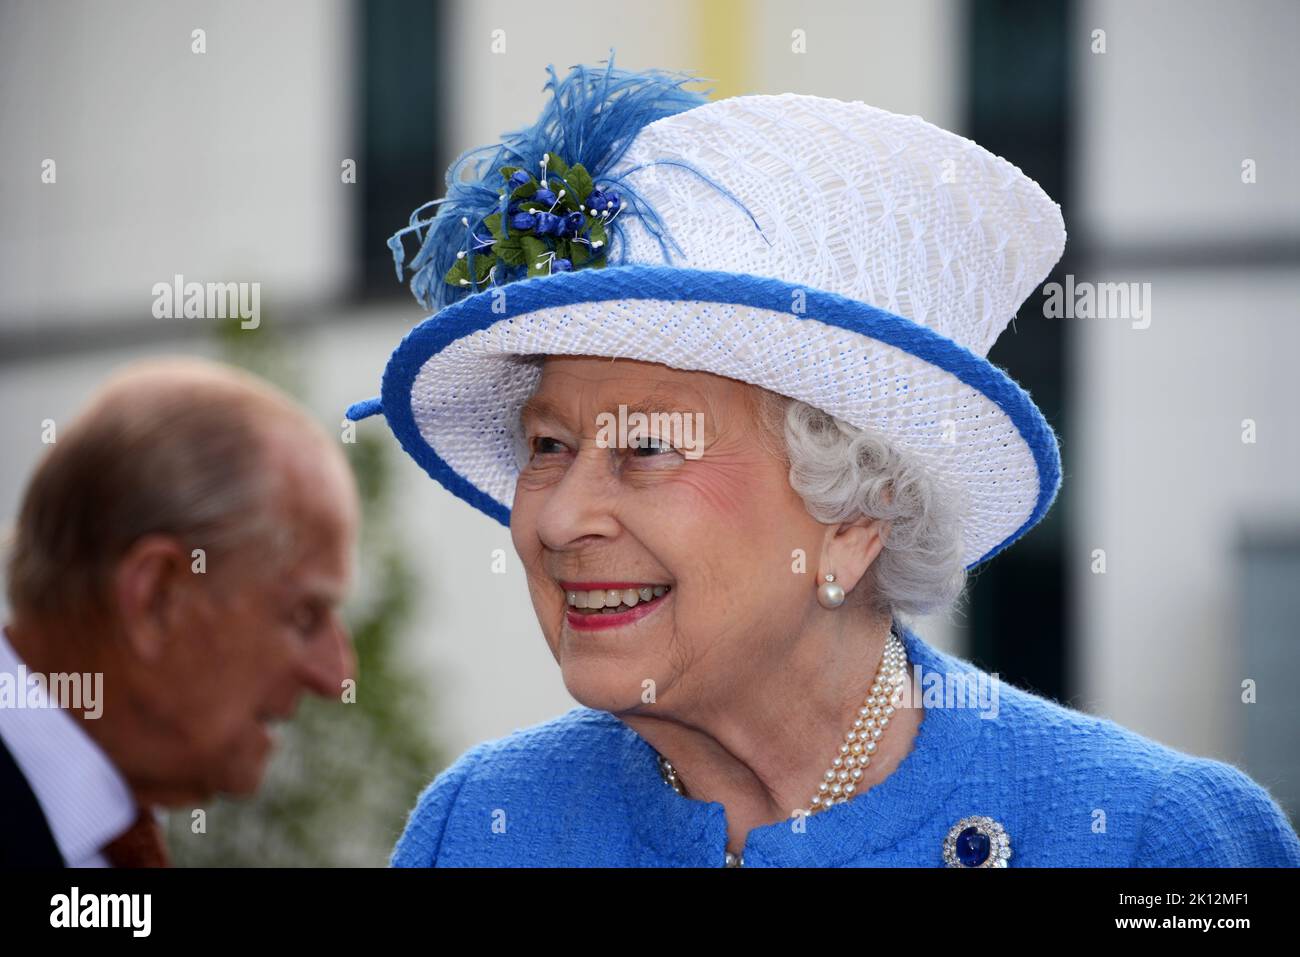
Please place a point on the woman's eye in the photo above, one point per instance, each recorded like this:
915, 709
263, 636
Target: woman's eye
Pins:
543, 444
652, 445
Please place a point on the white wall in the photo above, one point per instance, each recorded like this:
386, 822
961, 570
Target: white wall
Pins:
1186, 90
902, 57
221, 166
1163, 481
1167, 485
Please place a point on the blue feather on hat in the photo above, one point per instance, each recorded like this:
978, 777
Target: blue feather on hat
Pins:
592, 118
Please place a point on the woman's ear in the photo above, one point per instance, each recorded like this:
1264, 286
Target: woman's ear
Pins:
148, 583
850, 548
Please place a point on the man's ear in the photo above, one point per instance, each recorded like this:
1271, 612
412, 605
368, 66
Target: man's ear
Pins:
147, 583
850, 548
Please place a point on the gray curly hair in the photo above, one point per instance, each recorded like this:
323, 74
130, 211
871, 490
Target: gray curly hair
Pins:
843, 473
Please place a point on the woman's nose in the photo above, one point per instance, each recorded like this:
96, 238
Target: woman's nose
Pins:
581, 503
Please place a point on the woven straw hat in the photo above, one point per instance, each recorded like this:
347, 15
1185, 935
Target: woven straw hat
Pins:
859, 260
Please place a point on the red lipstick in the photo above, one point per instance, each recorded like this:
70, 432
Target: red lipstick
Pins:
598, 621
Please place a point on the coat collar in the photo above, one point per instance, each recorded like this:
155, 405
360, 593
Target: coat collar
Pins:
82, 794
693, 833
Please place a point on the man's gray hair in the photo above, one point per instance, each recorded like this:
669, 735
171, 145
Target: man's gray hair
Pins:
174, 446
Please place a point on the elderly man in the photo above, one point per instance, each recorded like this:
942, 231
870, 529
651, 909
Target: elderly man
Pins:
184, 547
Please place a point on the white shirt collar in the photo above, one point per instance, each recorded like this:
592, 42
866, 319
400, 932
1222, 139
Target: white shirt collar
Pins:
85, 798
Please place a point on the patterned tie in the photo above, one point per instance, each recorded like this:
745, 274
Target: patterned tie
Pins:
140, 845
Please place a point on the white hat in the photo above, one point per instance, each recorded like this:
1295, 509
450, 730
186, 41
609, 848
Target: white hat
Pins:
856, 259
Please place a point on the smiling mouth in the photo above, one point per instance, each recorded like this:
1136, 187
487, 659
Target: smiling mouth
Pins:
614, 601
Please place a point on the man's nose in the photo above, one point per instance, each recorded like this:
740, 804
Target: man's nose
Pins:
332, 663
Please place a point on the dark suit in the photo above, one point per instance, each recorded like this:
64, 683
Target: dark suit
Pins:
25, 838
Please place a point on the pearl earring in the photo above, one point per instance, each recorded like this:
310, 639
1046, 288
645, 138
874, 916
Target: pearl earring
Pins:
830, 594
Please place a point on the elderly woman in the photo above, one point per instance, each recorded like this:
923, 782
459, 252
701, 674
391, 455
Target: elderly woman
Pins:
733, 479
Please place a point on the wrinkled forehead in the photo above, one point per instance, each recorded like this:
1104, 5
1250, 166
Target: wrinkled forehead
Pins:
573, 391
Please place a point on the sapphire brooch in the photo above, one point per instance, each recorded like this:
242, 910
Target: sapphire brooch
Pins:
977, 841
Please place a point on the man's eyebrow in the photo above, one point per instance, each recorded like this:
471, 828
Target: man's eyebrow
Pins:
318, 587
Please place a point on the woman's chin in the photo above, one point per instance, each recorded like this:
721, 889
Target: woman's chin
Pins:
612, 668
602, 685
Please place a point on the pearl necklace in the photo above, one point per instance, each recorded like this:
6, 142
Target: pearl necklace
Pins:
840, 782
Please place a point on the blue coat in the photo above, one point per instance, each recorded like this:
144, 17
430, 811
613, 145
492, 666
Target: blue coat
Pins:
1069, 789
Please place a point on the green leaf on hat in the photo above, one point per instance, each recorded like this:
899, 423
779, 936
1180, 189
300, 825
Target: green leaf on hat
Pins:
535, 255
482, 266
568, 202
555, 165
579, 181
509, 251
457, 275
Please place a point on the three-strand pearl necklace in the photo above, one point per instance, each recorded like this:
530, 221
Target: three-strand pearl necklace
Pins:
840, 781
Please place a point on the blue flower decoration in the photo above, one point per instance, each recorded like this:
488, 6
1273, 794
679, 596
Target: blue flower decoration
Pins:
526, 211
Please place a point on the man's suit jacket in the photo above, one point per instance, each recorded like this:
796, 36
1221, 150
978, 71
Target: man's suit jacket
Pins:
25, 837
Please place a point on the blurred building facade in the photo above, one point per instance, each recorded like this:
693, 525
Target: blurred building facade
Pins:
229, 165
